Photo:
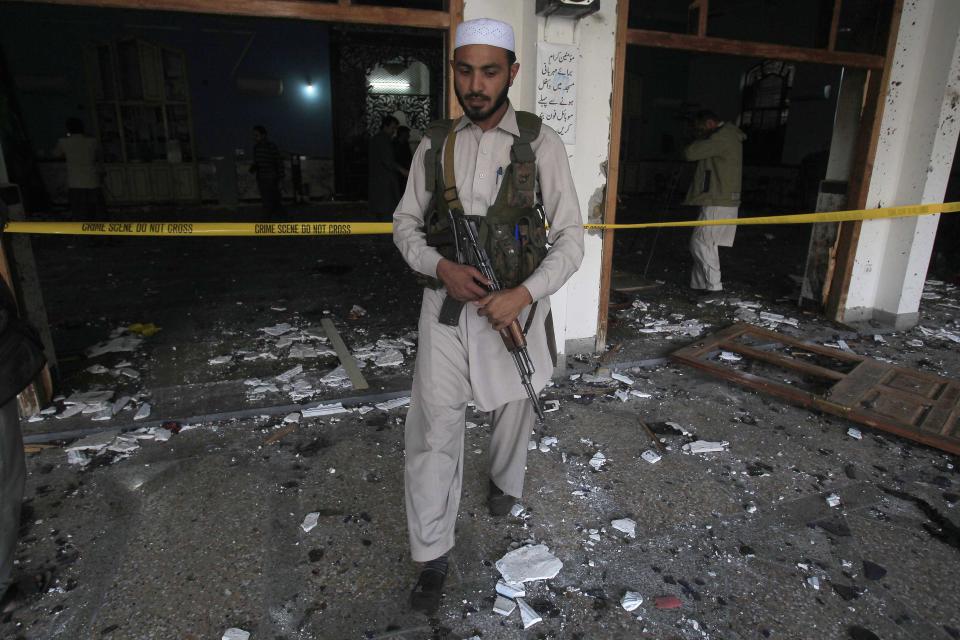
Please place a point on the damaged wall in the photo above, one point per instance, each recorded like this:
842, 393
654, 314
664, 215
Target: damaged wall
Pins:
912, 165
595, 35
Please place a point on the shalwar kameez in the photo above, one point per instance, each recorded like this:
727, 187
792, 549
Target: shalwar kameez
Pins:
468, 362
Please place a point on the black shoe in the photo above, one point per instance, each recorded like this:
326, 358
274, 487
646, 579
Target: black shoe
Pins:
426, 594
499, 502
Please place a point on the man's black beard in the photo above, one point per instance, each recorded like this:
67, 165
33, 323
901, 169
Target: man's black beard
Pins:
479, 114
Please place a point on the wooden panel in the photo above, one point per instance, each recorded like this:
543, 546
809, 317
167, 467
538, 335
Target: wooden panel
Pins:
918, 406
686, 42
613, 172
301, 9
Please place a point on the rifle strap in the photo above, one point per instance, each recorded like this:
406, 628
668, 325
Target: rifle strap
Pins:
449, 175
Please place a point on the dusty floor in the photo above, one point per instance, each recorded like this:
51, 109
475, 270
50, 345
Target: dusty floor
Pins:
188, 537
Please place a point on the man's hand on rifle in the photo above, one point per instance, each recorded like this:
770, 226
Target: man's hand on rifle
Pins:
463, 282
501, 308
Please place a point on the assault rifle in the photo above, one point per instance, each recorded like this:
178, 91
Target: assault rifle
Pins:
469, 251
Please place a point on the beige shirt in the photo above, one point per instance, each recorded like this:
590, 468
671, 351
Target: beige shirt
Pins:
81, 154
481, 157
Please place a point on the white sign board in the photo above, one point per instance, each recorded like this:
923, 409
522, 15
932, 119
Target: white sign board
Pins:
557, 88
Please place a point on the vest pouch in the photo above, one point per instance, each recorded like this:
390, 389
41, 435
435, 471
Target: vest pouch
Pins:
533, 246
503, 247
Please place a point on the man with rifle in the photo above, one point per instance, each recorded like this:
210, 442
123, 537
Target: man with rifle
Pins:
473, 222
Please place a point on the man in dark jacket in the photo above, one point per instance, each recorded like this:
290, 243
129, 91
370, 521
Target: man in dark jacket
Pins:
268, 167
383, 188
716, 190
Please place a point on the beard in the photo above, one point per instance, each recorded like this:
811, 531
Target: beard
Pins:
479, 114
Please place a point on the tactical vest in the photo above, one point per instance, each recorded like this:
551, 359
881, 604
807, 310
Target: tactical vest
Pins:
514, 230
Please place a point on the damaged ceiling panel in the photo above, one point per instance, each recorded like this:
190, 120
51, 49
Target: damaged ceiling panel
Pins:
908, 403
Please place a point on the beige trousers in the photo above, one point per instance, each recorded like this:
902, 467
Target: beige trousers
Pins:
434, 434
704, 244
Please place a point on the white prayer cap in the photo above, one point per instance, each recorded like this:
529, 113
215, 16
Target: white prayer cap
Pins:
485, 31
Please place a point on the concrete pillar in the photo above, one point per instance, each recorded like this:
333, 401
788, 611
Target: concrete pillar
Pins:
576, 306
921, 121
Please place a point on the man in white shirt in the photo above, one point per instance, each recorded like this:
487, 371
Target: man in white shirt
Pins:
497, 153
83, 172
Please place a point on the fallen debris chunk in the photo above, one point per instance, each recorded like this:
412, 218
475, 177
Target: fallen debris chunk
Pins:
396, 403
122, 343
310, 521
729, 356
218, 360
651, 456
277, 330
290, 374
76, 457
814, 582
123, 445
504, 606
625, 525
510, 590
533, 562
142, 412
667, 602
551, 405
631, 600
622, 378
235, 634
598, 460
94, 442
833, 500
705, 446
69, 412
517, 510
855, 433
622, 395
97, 369
391, 358
527, 613
324, 410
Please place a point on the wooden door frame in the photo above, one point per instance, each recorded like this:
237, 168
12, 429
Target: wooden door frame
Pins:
867, 136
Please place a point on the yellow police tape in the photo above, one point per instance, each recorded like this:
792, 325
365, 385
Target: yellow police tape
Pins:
278, 229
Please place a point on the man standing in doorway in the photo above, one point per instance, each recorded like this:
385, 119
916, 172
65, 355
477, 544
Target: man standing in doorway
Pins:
488, 164
268, 167
383, 186
83, 172
716, 190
